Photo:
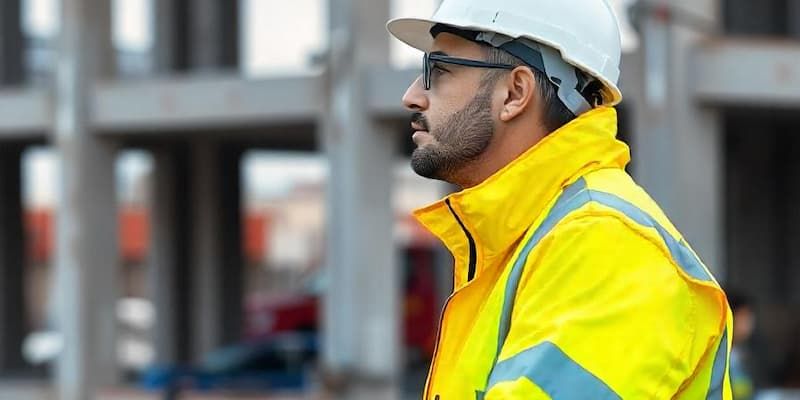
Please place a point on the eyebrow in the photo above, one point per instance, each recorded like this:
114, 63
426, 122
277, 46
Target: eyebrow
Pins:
439, 53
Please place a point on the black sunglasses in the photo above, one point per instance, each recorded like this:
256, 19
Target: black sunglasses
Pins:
429, 60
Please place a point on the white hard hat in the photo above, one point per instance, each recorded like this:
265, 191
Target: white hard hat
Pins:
584, 33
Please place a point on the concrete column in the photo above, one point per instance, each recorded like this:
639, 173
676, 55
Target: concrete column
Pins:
211, 28
169, 33
203, 34
11, 43
361, 324
754, 235
679, 143
196, 34
231, 267
205, 249
87, 256
793, 18
216, 260
790, 274
757, 17
12, 263
12, 296
170, 287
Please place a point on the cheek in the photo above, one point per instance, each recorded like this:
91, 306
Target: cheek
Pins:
442, 109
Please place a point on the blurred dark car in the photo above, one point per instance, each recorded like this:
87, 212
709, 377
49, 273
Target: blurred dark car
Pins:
279, 363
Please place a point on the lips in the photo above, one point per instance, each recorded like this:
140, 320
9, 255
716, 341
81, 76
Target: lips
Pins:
421, 134
421, 138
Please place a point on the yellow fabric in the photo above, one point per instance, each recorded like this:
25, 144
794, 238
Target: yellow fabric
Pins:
598, 287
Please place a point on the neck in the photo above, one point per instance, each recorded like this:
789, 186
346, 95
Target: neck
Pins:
505, 147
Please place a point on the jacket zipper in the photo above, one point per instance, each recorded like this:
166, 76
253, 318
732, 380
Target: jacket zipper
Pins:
470, 276
472, 248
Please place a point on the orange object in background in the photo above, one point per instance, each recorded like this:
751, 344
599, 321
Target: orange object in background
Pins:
255, 236
134, 235
39, 235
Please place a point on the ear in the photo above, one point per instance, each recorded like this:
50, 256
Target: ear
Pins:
520, 91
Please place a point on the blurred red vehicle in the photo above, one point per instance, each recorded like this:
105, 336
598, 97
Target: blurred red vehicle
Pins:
268, 315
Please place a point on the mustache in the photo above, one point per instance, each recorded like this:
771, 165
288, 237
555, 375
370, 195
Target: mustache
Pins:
419, 119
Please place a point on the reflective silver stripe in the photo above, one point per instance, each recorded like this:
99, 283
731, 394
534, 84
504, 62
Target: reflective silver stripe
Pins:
554, 372
718, 371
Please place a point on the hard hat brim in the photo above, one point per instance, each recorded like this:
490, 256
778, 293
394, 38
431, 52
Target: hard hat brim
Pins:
415, 32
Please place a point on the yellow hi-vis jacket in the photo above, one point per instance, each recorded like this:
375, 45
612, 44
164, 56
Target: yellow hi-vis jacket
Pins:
571, 283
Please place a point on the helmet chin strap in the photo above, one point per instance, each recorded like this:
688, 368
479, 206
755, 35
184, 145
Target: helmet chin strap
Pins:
569, 81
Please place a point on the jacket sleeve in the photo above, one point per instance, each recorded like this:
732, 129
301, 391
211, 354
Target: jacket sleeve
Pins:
602, 312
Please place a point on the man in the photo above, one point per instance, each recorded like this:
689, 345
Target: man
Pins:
744, 323
570, 283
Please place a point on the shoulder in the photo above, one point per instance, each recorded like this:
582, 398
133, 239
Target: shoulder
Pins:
601, 248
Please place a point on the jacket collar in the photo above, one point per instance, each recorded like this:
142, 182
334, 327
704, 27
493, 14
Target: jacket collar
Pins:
498, 212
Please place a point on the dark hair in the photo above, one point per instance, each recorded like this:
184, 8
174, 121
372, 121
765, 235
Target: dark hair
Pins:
555, 113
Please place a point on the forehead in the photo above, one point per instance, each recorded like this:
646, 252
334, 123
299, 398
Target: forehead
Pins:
457, 46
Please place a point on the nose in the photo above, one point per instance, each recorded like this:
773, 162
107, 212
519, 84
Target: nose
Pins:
416, 97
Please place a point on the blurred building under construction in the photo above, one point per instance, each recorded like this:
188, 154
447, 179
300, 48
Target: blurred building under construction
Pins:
712, 93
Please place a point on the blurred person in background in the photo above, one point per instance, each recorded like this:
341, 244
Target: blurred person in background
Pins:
570, 282
744, 321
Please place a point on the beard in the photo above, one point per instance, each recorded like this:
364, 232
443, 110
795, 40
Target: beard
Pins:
462, 138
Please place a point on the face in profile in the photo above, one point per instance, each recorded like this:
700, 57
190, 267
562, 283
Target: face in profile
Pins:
453, 119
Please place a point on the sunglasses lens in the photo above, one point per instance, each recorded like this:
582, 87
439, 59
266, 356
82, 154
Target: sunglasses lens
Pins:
426, 71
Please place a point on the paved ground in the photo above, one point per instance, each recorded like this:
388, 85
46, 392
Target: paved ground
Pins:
39, 391
34, 391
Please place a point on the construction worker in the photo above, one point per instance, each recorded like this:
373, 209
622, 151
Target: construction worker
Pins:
570, 282
744, 323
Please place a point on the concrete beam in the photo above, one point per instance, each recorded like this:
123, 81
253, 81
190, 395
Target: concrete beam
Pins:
737, 72
203, 103
200, 103
385, 89
24, 114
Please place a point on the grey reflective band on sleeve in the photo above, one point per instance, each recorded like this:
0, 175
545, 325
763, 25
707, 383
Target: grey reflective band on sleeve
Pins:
554, 372
718, 371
